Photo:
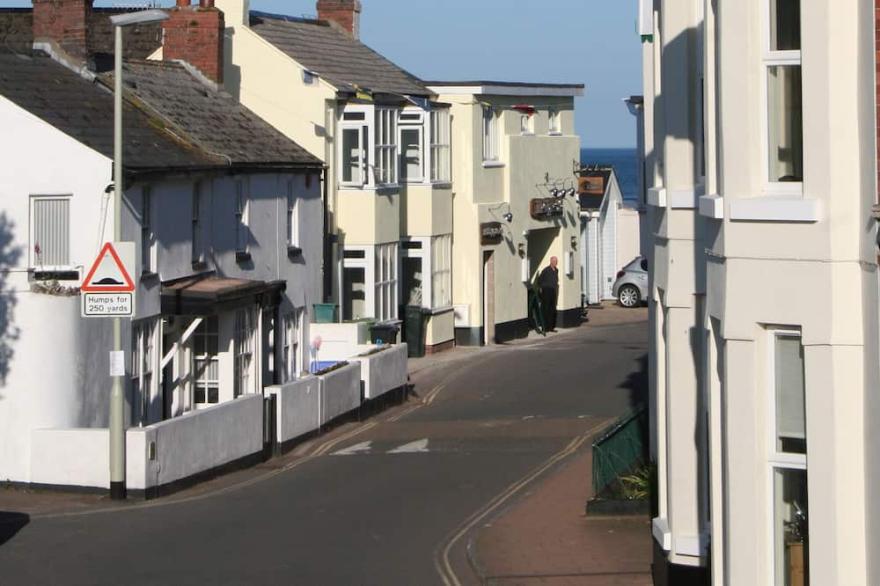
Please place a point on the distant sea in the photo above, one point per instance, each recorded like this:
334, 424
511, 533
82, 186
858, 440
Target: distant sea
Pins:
625, 163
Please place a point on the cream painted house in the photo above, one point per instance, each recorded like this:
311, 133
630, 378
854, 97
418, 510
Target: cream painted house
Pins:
761, 157
514, 155
386, 146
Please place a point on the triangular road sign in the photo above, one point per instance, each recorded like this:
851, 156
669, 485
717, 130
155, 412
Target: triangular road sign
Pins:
108, 274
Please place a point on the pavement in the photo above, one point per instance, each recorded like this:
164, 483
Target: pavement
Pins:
480, 478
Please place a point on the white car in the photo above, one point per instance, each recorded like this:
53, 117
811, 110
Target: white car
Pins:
631, 286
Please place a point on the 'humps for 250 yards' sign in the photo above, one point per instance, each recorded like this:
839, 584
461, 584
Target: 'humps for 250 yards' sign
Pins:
108, 289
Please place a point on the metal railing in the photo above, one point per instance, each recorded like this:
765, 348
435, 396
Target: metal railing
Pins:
622, 448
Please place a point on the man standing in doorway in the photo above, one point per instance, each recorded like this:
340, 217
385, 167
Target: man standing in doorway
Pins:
548, 281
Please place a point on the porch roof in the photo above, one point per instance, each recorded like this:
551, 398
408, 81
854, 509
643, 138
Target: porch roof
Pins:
209, 294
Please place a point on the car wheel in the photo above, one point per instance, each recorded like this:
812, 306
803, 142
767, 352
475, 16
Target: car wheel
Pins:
629, 296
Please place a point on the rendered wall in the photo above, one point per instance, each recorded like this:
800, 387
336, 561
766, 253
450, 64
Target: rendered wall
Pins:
340, 392
383, 371
298, 408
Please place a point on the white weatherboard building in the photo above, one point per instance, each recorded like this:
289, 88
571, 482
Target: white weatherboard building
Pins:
226, 216
610, 233
762, 167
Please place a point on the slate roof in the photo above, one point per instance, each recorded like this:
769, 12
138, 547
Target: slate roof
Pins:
16, 33
83, 109
210, 118
341, 60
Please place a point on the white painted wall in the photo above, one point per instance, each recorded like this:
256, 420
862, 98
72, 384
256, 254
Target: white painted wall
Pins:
298, 407
49, 375
53, 364
340, 392
383, 371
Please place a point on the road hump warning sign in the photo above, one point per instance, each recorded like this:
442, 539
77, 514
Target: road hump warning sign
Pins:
108, 274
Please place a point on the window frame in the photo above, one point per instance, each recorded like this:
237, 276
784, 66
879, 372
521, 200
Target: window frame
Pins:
386, 140
144, 363
490, 135
440, 146
32, 255
368, 264
777, 461
554, 122
292, 345
242, 216
204, 332
362, 129
293, 217
441, 266
416, 122
386, 278
148, 235
244, 351
197, 233
772, 58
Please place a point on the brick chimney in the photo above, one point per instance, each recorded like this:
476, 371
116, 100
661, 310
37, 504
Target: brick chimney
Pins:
66, 22
194, 33
344, 13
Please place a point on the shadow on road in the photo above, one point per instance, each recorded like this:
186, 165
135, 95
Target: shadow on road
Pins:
10, 524
637, 383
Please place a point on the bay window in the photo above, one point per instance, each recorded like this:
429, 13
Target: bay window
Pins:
784, 93
440, 146
788, 460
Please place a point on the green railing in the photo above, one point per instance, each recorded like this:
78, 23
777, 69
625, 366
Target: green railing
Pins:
622, 448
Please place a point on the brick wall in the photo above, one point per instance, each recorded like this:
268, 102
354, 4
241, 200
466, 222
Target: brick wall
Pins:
345, 13
195, 35
65, 22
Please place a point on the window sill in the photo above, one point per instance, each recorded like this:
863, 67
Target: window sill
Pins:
61, 274
437, 310
712, 206
441, 184
493, 164
774, 209
661, 533
554, 133
242, 256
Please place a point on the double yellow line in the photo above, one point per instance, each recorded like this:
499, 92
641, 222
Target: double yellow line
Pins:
442, 562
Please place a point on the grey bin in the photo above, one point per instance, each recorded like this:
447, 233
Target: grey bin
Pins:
384, 333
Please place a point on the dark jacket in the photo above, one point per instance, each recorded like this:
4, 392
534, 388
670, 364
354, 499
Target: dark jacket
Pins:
549, 278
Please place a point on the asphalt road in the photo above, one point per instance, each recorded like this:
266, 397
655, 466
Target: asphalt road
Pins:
388, 505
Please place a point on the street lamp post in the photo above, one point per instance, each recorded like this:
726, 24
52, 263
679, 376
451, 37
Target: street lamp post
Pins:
117, 395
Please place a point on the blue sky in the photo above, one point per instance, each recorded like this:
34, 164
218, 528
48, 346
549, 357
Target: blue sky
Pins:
593, 42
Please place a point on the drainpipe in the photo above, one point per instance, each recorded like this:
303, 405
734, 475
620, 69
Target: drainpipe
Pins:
328, 241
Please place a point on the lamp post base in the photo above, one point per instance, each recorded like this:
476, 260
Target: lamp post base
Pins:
117, 491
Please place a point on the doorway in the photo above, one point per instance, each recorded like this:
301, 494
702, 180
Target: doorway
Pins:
488, 297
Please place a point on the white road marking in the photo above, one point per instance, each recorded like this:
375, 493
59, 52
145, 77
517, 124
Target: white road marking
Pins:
416, 447
354, 450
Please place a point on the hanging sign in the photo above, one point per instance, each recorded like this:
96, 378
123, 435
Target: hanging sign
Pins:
108, 289
491, 233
